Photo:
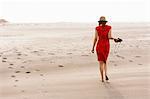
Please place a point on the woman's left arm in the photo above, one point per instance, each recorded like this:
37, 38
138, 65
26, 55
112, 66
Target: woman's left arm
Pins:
110, 36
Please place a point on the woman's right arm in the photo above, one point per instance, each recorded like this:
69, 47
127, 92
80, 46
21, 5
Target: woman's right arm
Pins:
95, 40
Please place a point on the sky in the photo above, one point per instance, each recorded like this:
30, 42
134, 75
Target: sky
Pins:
28, 11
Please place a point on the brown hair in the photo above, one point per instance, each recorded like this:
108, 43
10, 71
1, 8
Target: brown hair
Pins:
99, 23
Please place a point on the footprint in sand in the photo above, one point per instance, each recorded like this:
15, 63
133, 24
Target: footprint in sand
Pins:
10, 67
60, 66
137, 46
27, 61
51, 53
34, 51
137, 56
112, 61
15, 86
11, 64
45, 91
84, 55
16, 80
19, 54
41, 75
37, 70
123, 57
1, 53
28, 48
13, 76
130, 60
4, 58
25, 54
22, 90
28, 72
68, 53
120, 57
41, 50
18, 58
17, 71
115, 65
39, 54
24, 62
4, 61
52, 62
22, 67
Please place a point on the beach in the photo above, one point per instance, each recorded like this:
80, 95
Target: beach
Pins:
54, 61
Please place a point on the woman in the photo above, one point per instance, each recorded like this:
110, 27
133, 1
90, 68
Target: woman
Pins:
102, 36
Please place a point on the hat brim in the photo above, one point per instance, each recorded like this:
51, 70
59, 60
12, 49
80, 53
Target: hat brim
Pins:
102, 21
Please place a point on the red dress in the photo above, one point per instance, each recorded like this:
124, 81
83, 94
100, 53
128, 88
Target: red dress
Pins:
103, 46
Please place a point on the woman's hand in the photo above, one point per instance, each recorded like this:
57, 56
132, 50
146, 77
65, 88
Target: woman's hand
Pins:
118, 40
115, 40
92, 50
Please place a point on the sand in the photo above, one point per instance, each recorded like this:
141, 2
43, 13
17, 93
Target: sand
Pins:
53, 61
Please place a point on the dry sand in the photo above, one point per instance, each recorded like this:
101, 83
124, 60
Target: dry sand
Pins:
53, 61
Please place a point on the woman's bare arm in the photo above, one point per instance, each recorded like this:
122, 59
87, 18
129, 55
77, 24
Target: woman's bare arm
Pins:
110, 35
95, 40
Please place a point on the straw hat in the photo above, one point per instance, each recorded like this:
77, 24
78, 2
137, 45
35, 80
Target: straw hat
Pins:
102, 19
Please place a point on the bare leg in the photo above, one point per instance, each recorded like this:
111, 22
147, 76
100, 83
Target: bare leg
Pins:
101, 63
105, 69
